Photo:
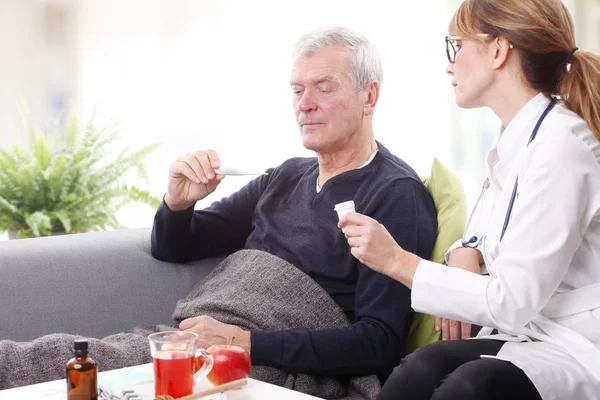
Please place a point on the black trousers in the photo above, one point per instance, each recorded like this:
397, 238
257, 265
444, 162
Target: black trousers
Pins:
454, 370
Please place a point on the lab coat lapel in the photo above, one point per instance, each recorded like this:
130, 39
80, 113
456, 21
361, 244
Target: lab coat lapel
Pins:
504, 162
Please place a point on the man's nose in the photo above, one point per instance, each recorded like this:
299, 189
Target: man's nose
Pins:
450, 69
307, 102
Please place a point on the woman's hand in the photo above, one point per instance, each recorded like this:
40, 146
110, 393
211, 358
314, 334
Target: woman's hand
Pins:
469, 260
373, 246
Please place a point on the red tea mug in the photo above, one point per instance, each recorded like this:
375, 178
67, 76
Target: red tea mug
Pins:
175, 356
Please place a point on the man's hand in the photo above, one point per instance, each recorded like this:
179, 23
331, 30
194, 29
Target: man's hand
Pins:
451, 329
469, 260
210, 332
191, 178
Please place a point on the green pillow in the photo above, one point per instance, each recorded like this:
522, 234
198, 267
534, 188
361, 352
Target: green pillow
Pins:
451, 207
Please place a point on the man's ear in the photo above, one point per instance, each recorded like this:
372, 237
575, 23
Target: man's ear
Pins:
499, 50
372, 91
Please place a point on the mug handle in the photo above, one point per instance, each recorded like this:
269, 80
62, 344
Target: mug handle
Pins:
208, 361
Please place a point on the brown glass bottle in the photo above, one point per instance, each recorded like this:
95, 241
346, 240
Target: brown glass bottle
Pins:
82, 374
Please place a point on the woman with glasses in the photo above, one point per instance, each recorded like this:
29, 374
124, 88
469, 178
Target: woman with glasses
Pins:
534, 237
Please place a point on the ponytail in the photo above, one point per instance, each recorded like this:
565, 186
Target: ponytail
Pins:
580, 88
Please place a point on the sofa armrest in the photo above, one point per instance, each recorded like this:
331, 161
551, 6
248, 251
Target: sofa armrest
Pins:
92, 284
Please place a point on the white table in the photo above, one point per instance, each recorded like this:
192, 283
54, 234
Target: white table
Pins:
140, 378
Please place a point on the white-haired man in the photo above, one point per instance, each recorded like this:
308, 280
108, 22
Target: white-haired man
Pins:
335, 80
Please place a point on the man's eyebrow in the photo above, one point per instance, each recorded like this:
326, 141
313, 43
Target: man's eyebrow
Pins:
328, 78
317, 81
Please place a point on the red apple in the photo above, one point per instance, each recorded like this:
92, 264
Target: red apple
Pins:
230, 363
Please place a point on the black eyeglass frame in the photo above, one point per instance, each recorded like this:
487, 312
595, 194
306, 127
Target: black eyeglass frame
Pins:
450, 45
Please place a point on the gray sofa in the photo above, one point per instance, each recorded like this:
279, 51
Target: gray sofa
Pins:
91, 284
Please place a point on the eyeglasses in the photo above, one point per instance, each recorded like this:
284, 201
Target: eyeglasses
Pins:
453, 45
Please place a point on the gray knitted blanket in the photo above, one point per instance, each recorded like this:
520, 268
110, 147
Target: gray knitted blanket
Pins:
250, 289
256, 290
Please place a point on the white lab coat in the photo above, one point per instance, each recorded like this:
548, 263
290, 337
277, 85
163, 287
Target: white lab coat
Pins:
543, 288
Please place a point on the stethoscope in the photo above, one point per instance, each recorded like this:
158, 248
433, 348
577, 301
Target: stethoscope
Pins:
474, 241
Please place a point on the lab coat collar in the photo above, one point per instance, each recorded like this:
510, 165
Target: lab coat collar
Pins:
515, 136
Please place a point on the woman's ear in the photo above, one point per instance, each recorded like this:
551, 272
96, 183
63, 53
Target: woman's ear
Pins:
499, 50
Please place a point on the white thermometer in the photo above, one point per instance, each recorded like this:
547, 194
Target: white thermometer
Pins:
231, 171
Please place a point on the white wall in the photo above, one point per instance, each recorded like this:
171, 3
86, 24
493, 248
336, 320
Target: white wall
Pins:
586, 15
37, 63
214, 73
19, 40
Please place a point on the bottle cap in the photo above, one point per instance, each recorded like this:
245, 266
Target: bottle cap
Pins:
81, 345
345, 206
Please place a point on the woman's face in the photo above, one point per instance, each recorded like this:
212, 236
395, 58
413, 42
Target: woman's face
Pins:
472, 73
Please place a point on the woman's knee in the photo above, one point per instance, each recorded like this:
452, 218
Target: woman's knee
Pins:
467, 382
410, 376
432, 361
424, 361
415, 376
486, 379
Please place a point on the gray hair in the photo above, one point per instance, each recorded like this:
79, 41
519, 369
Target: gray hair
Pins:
365, 62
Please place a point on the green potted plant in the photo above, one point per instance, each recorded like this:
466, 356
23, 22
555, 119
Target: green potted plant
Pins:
68, 182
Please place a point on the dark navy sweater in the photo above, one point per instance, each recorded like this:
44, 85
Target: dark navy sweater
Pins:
282, 213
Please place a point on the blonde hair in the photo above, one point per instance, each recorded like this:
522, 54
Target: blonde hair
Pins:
542, 32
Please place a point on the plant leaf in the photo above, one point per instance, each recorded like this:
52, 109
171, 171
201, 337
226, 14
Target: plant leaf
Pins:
64, 219
73, 181
39, 223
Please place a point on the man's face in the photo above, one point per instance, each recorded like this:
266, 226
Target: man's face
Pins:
328, 111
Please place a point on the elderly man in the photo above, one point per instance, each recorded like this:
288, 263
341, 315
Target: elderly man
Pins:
335, 83
287, 215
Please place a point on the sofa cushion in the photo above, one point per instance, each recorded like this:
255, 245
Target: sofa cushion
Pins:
450, 203
92, 284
